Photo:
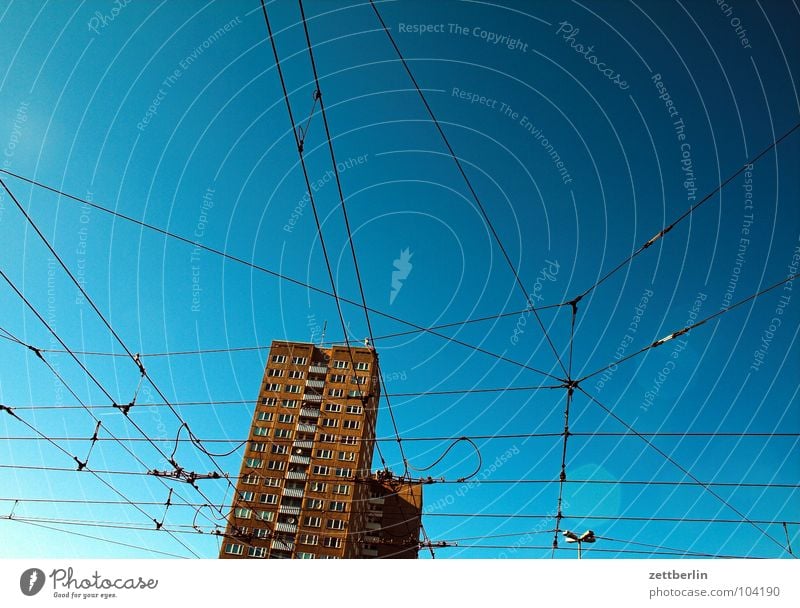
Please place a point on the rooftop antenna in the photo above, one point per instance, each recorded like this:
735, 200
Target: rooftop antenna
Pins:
322, 337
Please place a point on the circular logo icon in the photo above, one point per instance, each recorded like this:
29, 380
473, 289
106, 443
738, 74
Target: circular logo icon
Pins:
31, 581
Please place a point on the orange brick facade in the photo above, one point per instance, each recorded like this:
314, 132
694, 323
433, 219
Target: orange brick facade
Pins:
305, 488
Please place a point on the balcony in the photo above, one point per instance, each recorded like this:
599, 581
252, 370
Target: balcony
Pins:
312, 397
309, 412
283, 527
293, 492
288, 510
315, 383
377, 500
303, 444
300, 475
283, 545
297, 459
318, 369
371, 525
365, 552
307, 428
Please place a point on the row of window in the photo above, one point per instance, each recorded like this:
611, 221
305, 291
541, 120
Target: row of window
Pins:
360, 365
295, 374
237, 549
337, 407
295, 360
312, 539
298, 388
263, 431
278, 465
342, 379
312, 521
346, 424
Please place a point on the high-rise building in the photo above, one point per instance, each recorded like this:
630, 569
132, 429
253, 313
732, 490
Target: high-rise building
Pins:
305, 489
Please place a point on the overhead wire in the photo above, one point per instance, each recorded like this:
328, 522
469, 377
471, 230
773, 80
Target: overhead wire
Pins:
526, 294
689, 211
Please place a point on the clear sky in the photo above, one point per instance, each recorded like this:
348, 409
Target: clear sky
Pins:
584, 128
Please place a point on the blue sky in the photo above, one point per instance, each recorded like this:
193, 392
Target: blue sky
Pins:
145, 110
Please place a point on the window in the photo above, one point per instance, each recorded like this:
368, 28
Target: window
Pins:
293, 388
354, 394
340, 364
319, 470
336, 505
355, 409
256, 552
242, 512
347, 456
276, 465
351, 424
286, 418
269, 499
265, 416
269, 401
359, 379
261, 431
327, 438
272, 482
308, 539
266, 515
338, 378
250, 479
335, 524
280, 449
272, 387
349, 440
234, 549
296, 374
253, 463
341, 488
312, 522
330, 422
333, 407
324, 453
289, 403
258, 446
279, 358
362, 365
342, 472
335, 392
318, 486
282, 433
247, 496
313, 503
274, 373
260, 533
332, 543
302, 555
299, 360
